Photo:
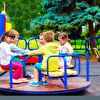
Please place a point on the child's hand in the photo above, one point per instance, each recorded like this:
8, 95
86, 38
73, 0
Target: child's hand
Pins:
19, 55
25, 54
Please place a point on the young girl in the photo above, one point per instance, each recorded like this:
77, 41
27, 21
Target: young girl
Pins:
5, 57
65, 47
14, 48
49, 48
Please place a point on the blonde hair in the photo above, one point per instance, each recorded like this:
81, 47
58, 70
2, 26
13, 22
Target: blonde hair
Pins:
48, 36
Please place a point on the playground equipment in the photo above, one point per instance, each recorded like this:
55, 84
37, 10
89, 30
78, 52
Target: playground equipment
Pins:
96, 49
8, 27
28, 45
59, 82
2, 24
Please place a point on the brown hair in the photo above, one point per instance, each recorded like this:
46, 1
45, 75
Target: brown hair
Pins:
15, 32
48, 36
64, 36
10, 33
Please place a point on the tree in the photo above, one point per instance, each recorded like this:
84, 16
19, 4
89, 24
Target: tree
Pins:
68, 14
21, 12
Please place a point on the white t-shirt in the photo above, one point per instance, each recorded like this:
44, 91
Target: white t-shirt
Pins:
5, 53
66, 48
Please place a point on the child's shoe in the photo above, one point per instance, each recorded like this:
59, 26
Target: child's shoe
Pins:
23, 80
43, 82
15, 81
34, 83
28, 76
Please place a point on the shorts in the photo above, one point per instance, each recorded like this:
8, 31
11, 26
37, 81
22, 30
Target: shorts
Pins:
38, 66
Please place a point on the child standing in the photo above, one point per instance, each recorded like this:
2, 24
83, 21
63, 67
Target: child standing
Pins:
49, 48
5, 57
65, 47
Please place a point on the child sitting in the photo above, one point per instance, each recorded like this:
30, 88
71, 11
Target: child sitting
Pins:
65, 47
5, 57
49, 48
19, 50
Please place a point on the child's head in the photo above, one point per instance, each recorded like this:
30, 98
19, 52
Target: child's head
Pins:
48, 36
63, 38
8, 37
16, 35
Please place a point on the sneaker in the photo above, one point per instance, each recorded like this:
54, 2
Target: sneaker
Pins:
28, 76
43, 82
15, 81
23, 80
34, 83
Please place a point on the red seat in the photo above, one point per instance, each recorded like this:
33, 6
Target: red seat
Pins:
32, 60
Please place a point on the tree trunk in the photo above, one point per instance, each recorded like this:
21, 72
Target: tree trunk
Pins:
91, 34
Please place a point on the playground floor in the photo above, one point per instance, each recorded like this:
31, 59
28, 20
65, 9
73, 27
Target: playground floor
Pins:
93, 90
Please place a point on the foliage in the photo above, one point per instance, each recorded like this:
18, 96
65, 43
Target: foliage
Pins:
21, 12
98, 33
30, 17
63, 15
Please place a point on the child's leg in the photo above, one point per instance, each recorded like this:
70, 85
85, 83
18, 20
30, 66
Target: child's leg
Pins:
19, 60
18, 70
36, 74
35, 81
36, 69
18, 73
23, 65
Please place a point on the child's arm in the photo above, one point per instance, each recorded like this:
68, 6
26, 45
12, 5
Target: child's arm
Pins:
14, 48
7, 50
36, 52
70, 49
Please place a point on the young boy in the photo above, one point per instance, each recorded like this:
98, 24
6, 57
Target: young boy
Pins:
49, 48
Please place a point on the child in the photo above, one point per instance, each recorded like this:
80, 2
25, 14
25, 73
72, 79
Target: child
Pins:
65, 47
49, 48
41, 37
18, 50
5, 57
